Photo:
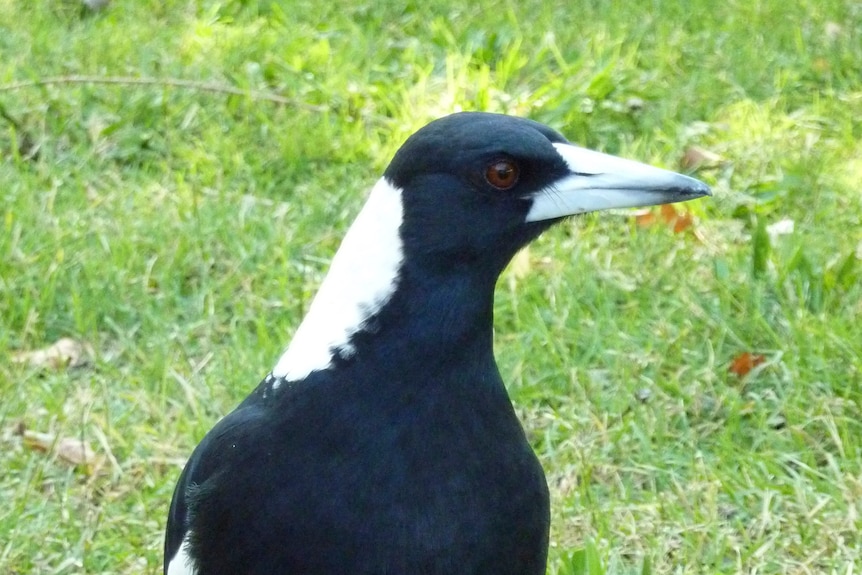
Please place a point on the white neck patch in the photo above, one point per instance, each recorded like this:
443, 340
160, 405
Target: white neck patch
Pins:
182, 563
361, 279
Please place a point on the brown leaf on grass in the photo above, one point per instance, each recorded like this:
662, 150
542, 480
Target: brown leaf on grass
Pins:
743, 363
683, 222
677, 220
645, 218
696, 158
65, 352
67, 449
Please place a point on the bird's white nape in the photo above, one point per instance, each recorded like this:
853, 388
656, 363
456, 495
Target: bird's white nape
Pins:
182, 563
361, 279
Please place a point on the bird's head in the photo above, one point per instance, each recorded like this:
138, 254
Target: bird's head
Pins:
476, 187
458, 200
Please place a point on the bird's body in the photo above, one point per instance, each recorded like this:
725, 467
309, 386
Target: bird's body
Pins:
411, 472
384, 442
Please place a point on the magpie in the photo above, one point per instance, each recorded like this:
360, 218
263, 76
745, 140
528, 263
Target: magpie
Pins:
384, 441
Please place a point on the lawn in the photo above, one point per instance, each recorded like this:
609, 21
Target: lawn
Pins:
175, 176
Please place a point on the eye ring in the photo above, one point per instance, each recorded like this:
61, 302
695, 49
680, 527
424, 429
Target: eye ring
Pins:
502, 174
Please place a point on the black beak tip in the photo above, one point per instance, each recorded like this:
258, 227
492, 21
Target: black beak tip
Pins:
703, 190
694, 189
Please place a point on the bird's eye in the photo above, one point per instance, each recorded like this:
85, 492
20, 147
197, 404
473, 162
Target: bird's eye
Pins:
502, 174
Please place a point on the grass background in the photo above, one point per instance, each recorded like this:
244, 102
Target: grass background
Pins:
182, 232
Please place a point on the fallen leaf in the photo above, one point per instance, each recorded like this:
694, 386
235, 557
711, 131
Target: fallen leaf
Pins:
743, 363
696, 158
67, 449
65, 352
678, 221
668, 213
683, 222
645, 218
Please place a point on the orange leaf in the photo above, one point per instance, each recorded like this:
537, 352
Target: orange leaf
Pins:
683, 222
645, 219
668, 213
678, 221
743, 363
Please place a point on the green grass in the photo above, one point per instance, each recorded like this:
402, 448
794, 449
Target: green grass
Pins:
182, 232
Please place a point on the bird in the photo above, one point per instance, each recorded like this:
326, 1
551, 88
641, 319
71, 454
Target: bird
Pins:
383, 441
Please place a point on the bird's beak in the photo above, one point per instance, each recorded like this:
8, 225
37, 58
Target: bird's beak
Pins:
599, 181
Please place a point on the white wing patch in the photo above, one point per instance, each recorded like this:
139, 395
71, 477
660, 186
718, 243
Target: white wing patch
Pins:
361, 279
182, 563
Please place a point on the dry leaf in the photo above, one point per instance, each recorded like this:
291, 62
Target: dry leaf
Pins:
695, 158
68, 449
645, 218
743, 363
668, 213
65, 352
678, 221
683, 222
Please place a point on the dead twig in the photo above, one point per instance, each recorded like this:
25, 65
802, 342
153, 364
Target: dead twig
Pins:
161, 82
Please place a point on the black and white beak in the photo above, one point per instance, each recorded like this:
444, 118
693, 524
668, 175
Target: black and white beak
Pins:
598, 181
